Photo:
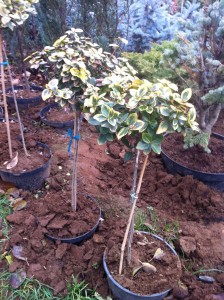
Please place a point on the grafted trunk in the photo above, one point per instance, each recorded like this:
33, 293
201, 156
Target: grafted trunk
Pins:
209, 117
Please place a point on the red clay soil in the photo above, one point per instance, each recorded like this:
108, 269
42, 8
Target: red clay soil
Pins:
183, 211
59, 115
195, 158
165, 276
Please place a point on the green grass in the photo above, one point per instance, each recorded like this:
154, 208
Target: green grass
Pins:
5, 210
32, 289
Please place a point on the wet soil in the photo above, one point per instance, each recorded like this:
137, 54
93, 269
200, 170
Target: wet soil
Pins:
195, 158
184, 211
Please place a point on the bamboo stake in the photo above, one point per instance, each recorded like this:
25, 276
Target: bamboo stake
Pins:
74, 171
4, 97
131, 214
16, 105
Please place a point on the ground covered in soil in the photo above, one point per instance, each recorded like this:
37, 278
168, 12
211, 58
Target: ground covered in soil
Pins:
185, 212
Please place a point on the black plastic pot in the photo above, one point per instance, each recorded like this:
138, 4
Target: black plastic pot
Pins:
124, 294
215, 180
81, 238
24, 103
30, 180
55, 124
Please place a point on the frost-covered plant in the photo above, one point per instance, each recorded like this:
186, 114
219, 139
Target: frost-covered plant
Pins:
201, 52
138, 113
148, 21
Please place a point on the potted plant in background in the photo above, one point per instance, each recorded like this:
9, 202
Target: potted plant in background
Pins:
72, 63
200, 53
14, 13
138, 113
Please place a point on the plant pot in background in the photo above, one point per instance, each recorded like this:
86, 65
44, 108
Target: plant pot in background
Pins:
122, 293
214, 180
56, 124
79, 238
24, 103
30, 180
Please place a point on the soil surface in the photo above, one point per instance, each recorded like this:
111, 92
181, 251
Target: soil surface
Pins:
185, 212
25, 94
195, 158
167, 266
59, 115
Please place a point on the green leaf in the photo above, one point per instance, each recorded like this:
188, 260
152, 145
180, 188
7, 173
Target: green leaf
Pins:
128, 156
102, 139
53, 84
100, 118
164, 111
110, 137
122, 132
186, 95
132, 119
138, 125
143, 146
105, 110
147, 138
163, 126
157, 139
46, 94
93, 122
191, 114
156, 148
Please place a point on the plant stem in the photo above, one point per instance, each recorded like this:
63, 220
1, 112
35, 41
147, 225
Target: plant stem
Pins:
16, 105
132, 214
4, 97
20, 40
132, 200
77, 122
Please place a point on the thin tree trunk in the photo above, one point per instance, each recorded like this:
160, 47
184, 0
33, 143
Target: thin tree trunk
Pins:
4, 97
134, 182
16, 105
20, 40
75, 160
132, 214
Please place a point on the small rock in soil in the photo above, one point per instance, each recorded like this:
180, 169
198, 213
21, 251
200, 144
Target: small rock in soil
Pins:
180, 291
43, 221
14, 266
30, 221
61, 250
17, 217
57, 224
98, 239
60, 286
88, 255
206, 279
36, 245
188, 244
17, 279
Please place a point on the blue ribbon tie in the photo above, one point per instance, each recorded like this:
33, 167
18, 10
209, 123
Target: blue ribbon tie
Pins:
4, 63
76, 137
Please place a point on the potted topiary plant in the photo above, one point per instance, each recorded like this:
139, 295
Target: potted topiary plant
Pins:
72, 63
138, 113
14, 13
200, 53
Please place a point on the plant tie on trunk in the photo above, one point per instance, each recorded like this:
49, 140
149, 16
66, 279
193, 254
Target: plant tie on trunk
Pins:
75, 137
4, 63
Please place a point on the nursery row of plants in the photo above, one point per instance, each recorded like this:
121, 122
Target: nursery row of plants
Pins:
59, 227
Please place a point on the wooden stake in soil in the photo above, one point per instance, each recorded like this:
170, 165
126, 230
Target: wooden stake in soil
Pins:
132, 214
16, 105
4, 97
74, 171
